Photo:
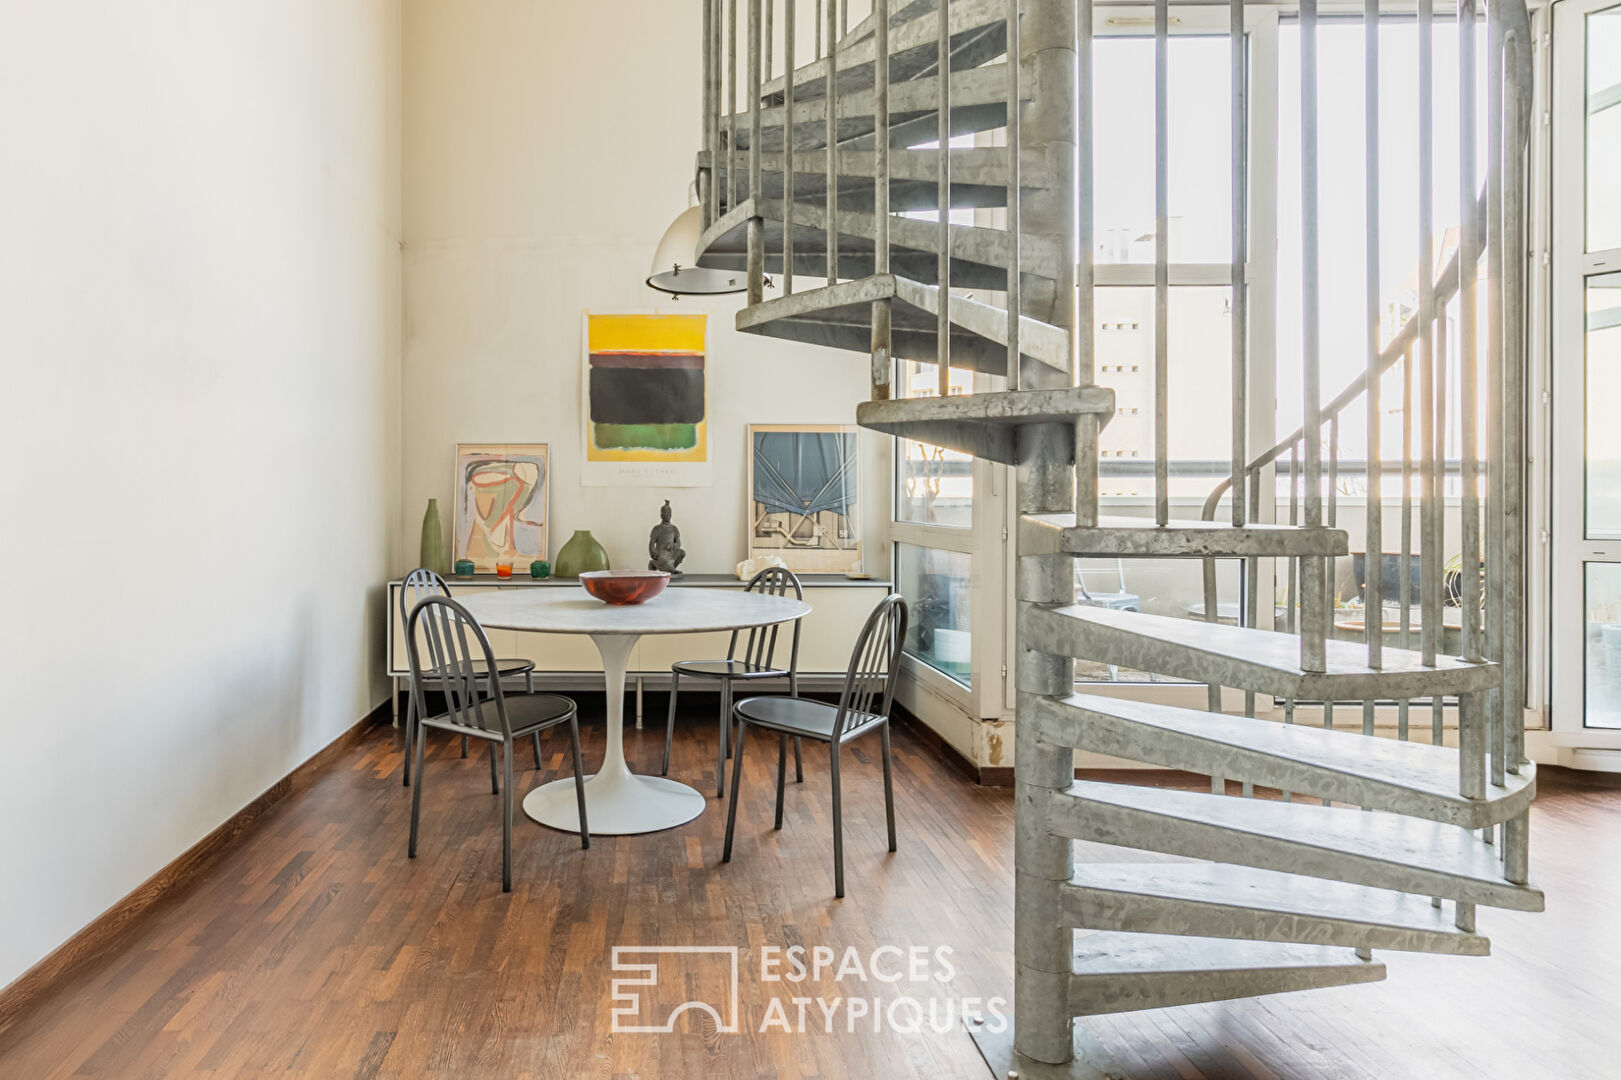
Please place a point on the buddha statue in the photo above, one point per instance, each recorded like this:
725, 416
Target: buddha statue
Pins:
664, 544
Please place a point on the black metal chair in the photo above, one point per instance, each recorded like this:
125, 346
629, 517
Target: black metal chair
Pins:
758, 662
499, 721
420, 584
864, 703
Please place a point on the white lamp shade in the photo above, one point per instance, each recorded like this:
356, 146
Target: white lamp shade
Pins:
673, 270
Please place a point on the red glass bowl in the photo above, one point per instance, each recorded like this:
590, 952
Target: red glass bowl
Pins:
624, 586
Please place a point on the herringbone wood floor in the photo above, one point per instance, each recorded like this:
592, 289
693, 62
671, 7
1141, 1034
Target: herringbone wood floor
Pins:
314, 948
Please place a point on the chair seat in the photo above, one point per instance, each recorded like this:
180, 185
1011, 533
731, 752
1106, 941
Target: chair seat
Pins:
802, 717
726, 669
527, 713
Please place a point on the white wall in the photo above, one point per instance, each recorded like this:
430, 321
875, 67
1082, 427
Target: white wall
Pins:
199, 341
547, 147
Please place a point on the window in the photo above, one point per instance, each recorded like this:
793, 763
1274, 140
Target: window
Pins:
933, 486
937, 584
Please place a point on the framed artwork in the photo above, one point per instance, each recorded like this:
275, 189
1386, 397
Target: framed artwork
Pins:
501, 491
646, 400
803, 503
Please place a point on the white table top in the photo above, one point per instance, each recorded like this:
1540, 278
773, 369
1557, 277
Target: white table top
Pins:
674, 611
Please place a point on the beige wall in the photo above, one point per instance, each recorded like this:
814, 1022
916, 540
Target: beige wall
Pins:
199, 342
547, 147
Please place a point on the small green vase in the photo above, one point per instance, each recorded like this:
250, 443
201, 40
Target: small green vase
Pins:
581, 553
433, 554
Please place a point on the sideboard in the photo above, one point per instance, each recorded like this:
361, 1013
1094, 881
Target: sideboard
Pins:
839, 607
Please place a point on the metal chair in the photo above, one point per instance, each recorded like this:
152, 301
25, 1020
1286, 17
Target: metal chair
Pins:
452, 668
758, 662
869, 690
420, 584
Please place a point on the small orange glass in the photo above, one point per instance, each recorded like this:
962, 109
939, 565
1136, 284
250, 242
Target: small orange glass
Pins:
503, 569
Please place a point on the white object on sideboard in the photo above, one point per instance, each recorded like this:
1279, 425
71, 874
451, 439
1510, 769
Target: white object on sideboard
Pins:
839, 607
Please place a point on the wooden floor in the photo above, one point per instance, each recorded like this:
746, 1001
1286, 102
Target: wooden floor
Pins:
314, 948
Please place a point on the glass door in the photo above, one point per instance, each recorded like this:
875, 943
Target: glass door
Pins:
1586, 378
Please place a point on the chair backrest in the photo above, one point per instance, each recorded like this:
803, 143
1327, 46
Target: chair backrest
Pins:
869, 684
420, 584
760, 642
455, 643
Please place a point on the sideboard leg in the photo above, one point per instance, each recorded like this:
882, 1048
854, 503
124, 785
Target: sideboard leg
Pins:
394, 690
638, 702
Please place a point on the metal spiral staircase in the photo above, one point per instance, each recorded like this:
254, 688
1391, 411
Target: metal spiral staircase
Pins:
808, 176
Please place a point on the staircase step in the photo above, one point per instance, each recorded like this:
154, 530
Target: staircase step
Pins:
1261, 660
978, 34
1126, 537
979, 256
1119, 972
1385, 774
840, 316
978, 103
978, 176
1241, 902
983, 425
1384, 851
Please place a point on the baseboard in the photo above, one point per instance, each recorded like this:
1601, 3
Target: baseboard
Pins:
89, 943
985, 775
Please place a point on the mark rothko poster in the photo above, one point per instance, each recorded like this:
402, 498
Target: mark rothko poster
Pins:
646, 400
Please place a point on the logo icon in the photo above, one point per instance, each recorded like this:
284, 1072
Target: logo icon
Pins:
658, 982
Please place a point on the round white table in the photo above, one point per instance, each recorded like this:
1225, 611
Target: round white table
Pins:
618, 801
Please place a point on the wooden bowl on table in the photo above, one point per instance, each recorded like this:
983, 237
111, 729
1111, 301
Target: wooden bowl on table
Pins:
624, 586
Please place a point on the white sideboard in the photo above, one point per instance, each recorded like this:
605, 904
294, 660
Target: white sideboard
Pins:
839, 607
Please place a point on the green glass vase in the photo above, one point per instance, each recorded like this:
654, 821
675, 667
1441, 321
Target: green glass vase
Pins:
581, 553
434, 553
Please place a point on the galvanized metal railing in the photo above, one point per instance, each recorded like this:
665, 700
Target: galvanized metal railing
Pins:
1491, 735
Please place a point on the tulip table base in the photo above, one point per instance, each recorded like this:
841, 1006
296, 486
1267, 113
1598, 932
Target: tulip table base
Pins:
618, 802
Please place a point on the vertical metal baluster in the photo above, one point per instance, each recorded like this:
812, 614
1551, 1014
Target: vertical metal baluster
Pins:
1473, 718
1430, 630
1015, 305
770, 12
1516, 105
1162, 256
1405, 564
1493, 594
1313, 653
1330, 593
731, 103
816, 21
706, 178
789, 20
1373, 603
1239, 163
1438, 483
832, 100
756, 228
882, 310
1084, 326
1291, 610
942, 322
844, 16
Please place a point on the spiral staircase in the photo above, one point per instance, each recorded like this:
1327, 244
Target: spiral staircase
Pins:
808, 178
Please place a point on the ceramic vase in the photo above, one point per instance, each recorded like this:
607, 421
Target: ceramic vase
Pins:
433, 554
581, 553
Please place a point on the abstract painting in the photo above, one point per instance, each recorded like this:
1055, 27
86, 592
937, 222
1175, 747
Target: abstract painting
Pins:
501, 503
802, 496
646, 399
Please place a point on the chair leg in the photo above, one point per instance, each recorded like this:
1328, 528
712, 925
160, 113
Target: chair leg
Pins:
669, 725
495, 782
416, 791
737, 785
536, 738
579, 779
889, 788
722, 750
838, 823
782, 772
464, 746
508, 751
410, 731
799, 763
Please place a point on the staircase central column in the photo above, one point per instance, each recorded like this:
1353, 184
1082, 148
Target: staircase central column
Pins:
1046, 485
